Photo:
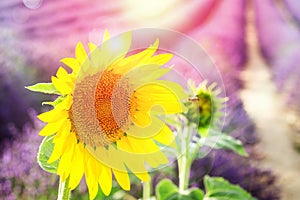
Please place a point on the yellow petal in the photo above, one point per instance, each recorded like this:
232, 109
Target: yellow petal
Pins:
67, 102
124, 145
141, 118
143, 176
61, 143
93, 190
148, 131
92, 46
63, 133
61, 86
57, 150
72, 63
62, 73
135, 61
151, 50
160, 59
143, 145
81, 54
123, 179
156, 159
165, 94
148, 53
134, 162
105, 180
65, 163
52, 127
77, 168
153, 72
53, 115
165, 136
106, 35
92, 171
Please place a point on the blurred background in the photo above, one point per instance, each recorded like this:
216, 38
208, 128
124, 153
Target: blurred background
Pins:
255, 45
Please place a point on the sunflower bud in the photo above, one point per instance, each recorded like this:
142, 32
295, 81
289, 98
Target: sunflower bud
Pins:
204, 107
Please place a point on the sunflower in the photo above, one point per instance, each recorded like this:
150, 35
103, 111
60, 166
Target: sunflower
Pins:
108, 119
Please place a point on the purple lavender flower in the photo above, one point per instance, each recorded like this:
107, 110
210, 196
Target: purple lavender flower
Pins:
13, 108
237, 122
15, 100
20, 173
293, 6
6, 189
279, 39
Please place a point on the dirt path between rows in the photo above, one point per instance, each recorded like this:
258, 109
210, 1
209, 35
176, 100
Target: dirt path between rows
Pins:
266, 107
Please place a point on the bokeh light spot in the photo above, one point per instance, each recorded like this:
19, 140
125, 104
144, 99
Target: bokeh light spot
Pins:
32, 4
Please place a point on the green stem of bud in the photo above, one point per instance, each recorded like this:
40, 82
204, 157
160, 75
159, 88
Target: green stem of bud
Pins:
184, 163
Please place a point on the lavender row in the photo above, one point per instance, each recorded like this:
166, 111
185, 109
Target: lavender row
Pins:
279, 37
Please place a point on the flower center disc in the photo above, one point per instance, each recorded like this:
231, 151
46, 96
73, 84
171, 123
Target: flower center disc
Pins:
101, 109
113, 104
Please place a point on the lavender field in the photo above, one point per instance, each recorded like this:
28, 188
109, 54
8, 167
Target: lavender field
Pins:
254, 45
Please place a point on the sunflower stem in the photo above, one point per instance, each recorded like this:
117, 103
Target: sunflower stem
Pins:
184, 163
184, 174
147, 189
64, 192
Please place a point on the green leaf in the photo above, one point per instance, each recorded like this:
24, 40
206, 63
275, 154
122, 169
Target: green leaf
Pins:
224, 141
195, 194
167, 190
44, 154
47, 88
219, 189
55, 102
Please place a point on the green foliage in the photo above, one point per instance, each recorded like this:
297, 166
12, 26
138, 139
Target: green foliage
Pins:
196, 194
167, 190
47, 88
220, 189
224, 141
44, 154
216, 189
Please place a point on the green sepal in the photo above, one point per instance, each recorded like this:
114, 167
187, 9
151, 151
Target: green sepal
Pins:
167, 190
55, 102
45, 151
203, 131
218, 188
47, 88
